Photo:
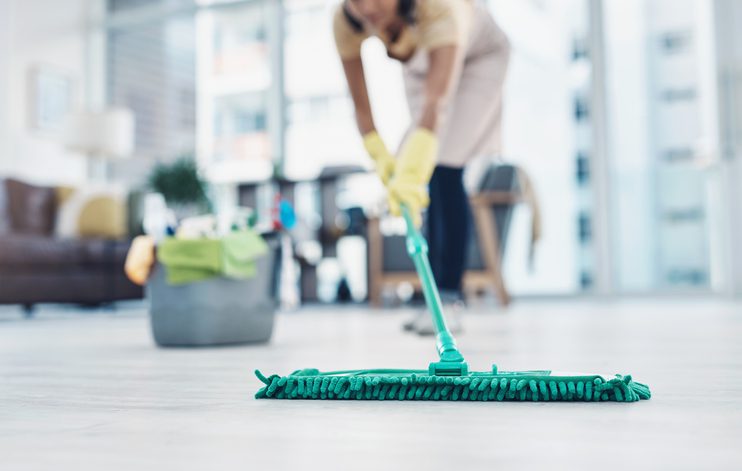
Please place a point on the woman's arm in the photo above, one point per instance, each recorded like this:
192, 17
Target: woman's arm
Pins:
359, 92
372, 142
443, 72
416, 161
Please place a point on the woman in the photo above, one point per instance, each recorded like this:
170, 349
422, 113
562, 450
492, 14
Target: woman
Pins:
454, 60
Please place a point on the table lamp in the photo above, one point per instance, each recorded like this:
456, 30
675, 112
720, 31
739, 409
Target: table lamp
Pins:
102, 136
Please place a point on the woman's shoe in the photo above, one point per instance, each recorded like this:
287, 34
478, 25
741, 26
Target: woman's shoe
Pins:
453, 307
410, 324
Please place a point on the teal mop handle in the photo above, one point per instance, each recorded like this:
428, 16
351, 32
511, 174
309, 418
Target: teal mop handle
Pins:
449, 354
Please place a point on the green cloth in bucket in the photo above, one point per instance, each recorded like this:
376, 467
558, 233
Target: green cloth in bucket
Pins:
190, 260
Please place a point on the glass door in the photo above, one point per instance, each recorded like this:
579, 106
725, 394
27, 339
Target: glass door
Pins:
660, 123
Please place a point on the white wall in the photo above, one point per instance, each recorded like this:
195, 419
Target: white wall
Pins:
34, 33
5, 14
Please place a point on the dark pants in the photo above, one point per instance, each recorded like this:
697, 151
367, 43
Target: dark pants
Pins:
448, 227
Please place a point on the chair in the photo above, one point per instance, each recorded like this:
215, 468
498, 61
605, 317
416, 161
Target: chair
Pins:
492, 209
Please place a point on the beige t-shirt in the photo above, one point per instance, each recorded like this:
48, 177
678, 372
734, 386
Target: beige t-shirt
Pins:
438, 23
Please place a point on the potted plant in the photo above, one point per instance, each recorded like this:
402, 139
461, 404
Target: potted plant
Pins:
182, 187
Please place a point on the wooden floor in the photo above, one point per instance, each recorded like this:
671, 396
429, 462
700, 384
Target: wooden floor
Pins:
89, 390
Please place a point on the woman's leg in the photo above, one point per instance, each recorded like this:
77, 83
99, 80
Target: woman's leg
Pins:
451, 244
472, 129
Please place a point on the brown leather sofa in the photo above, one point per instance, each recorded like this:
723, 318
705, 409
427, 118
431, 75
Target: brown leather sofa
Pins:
36, 267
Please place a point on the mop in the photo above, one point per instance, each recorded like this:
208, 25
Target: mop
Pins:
449, 378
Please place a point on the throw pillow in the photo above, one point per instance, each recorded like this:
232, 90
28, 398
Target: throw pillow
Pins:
93, 212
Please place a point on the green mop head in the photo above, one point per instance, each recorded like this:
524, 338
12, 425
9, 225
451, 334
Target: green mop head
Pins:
418, 385
448, 379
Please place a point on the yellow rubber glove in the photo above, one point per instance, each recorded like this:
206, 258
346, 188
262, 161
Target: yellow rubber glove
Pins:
140, 259
412, 172
380, 154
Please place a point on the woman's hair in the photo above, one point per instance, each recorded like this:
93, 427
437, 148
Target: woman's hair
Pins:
405, 10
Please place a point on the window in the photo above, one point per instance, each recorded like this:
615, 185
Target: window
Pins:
320, 127
236, 84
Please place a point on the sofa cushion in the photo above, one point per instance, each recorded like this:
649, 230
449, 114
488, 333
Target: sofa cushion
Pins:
93, 211
32, 208
24, 250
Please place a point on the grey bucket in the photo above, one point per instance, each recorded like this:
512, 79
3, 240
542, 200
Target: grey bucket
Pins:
218, 311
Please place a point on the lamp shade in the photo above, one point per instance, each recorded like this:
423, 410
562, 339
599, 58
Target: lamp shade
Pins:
104, 134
